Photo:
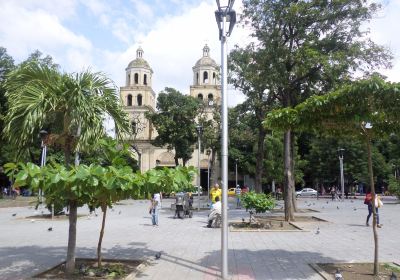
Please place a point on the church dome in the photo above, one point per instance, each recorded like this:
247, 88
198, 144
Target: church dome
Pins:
139, 61
206, 60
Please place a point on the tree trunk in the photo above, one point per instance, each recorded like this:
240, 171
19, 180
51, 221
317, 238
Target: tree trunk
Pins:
292, 178
371, 179
176, 161
103, 223
288, 188
70, 264
260, 159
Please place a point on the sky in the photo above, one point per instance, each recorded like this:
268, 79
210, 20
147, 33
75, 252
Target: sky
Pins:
104, 35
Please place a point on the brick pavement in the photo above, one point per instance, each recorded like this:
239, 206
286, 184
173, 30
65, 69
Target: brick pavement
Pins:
192, 251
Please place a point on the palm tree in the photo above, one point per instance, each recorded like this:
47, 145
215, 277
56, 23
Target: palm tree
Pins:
74, 104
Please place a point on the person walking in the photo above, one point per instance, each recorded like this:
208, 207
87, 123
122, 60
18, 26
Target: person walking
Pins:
378, 203
154, 210
333, 193
238, 192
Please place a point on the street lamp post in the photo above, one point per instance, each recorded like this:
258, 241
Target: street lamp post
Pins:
199, 129
236, 174
208, 172
223, 15
43, 136
340, 152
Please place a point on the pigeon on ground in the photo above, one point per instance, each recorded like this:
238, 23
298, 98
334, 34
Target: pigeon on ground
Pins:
351, 201
355, 209
50, 229
317, 232
112, 209
327, 202
15, 214
309, 205
323, 207
119, 213
243, 220
158, 255
337, 207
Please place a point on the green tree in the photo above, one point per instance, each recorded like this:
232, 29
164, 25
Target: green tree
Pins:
367, 109
306, 48
38, 93
6, 65
321, 153
175, 122
248, 74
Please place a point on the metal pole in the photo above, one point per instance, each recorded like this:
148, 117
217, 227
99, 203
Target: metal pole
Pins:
208, 178
198, 175
224, 153
236, 173
341, 176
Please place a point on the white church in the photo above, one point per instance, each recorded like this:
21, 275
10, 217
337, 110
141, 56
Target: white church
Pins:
138, 97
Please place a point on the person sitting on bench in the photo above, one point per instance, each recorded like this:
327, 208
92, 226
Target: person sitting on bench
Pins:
215, 210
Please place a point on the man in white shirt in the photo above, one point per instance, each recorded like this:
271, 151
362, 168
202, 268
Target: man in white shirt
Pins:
215, 211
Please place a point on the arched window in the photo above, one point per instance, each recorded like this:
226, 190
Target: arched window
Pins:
214, 78
210, 99
205, 77
133, 127
145, 79
139, 100
200, 96
129, 100
197, 78
129, 79
136, 78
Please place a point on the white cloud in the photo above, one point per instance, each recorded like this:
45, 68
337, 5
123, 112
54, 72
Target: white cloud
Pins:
22, 31
173, 46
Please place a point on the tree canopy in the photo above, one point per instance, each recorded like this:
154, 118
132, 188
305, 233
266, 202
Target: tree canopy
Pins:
175, 122
303, 48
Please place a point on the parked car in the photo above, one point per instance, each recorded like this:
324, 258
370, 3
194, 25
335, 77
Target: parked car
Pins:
306, 192
231, 192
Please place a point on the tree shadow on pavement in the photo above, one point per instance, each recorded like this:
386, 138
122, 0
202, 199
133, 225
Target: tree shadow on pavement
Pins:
26, 261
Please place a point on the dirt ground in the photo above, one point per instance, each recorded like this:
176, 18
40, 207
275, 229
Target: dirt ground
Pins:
19, 201
361, 271
87, 269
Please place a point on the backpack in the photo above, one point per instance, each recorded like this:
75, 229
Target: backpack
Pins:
368, 198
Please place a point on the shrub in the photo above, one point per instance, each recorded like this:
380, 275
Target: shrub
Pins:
260, 202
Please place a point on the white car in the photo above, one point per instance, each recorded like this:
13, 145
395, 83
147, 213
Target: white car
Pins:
306, 192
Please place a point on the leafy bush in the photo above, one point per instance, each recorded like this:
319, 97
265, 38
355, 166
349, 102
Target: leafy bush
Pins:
260, 202
394, 186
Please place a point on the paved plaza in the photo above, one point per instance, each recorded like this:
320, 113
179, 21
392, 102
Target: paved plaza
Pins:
192, 251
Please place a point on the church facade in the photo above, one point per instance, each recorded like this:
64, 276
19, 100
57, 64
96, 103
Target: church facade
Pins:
138, 97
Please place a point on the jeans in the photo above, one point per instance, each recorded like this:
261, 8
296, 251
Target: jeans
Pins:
238, 202
370, 213
154, 216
